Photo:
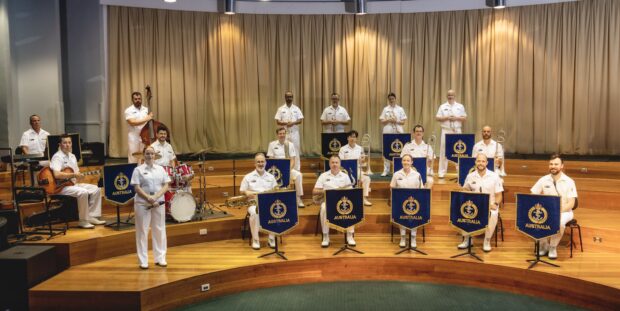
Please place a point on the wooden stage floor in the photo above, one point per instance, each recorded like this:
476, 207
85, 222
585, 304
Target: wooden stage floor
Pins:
103, 271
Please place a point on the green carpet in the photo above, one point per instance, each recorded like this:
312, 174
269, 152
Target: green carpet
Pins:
373, 295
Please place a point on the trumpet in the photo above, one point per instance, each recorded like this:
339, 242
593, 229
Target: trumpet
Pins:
365, 159
432, 141
501, 138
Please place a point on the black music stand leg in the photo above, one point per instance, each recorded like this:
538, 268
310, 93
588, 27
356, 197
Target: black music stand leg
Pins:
346, 247
537, 260
409, 248
276, 251
117, 225
468, 252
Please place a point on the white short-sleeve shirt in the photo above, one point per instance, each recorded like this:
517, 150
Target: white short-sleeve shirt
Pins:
36, 142
276, 150
565, 187
61, 160
490, 183
166, 152
328, 181
451, 110
334, 114
397, 112
404, 180
351, 153
151, 179
492, 150
422, 150
258, 183
289, 114
135, 113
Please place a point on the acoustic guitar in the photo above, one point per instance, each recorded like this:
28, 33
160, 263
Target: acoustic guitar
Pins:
53, 185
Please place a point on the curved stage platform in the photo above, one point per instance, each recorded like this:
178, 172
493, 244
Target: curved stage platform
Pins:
103, 272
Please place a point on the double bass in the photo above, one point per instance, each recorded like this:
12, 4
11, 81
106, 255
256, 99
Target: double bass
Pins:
148, 134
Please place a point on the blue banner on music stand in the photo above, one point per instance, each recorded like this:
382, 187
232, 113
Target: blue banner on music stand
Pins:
418, 163
411, 208
331, 143
468, 165
344, 207
393, 144
469, 211
347, 166
277, 211
281, 170
117, 182
458, 146
538, 216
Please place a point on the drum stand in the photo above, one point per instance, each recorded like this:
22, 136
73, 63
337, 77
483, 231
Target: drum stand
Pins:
537, 260
346, 247
206, 209
118, 223
468, 252
275, 251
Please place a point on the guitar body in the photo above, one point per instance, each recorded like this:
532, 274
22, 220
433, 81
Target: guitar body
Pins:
50, 184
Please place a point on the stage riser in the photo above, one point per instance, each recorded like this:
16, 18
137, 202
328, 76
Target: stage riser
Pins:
175, 294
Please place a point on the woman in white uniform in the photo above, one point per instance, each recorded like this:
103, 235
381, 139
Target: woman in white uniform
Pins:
407, 177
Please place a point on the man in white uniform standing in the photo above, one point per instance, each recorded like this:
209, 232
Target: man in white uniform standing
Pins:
150, 182
484, 181
332, 179
253, 183
557, 183
136, 116
392, 118
88, 196
335, 117
284, 149
290, 117
451, 116
492, 149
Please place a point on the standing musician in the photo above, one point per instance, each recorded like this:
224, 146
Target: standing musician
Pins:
253, 183
88, 196
150, 182
290, 117
492, 149
392, 118
332, 179
407, 177
335, 117
451, 116
34, 139
419, 149
163, 148
557, 183
354, 151
136, 116
284, 149
484, 181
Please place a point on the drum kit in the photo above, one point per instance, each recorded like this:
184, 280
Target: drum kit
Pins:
180, 203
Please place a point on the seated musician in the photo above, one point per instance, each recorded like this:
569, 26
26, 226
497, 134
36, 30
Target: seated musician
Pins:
88, 196
492, 149
353, 151
417, 148
164, 155
407, 177
283, 149
332, 179
34, 140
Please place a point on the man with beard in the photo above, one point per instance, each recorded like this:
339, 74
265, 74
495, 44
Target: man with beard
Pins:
136, 116
557, 183
492, 149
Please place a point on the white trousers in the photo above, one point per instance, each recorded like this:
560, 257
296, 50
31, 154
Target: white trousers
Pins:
88, 199
134, 144
365, 179
297, 178
255, 223
414, 232
429, 182
493, 216
387, 164
295, 139
554, 240
324, 225
156, 219
443, 161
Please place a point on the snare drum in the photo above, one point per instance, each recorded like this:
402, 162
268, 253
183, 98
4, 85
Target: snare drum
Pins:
183, 206
185, 174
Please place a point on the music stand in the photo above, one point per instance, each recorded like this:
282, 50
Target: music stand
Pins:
537, 259
344, 209
469, 213
538, 217
277, 215
118, 190
411, 210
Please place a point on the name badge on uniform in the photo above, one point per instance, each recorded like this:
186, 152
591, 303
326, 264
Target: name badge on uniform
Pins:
547, 186
473, 182
327, 180
253, 180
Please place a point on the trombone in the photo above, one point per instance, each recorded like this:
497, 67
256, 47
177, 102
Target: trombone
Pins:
432, 141
501, 138
365, 159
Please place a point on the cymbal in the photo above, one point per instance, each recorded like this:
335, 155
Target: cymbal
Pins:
137, 154
201, 152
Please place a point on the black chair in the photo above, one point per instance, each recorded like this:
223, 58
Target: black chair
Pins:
572, 224
499, 227
41, 222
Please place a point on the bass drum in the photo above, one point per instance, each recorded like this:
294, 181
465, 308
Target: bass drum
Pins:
182, 206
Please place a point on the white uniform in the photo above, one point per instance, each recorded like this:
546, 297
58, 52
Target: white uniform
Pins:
423, 150
277, 150
493, 150
151, 179
88, 196
166, 152
291, 114
36, 142
489, 183
257, 183
328, 181
348, 153
566, 189
334, 114
404, 180
134, 143
389, 112
447, 127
